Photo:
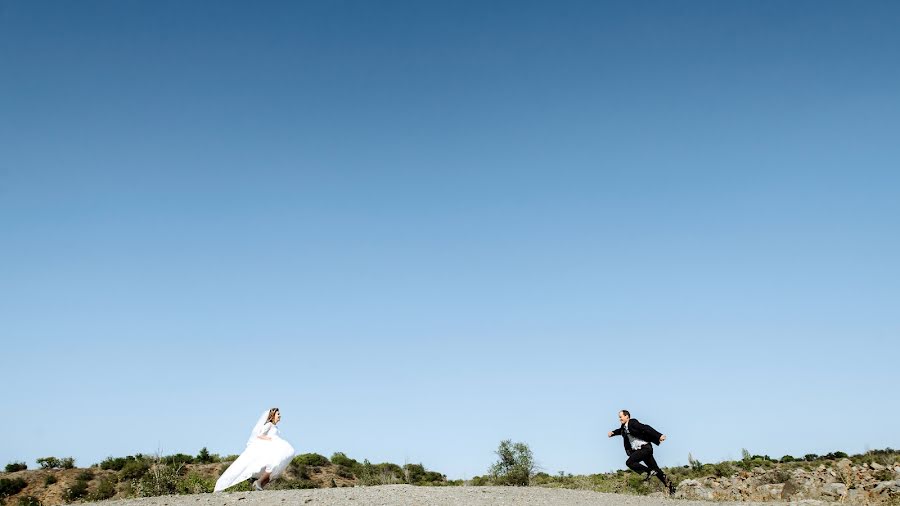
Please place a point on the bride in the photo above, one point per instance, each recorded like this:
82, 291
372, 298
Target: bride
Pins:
265, 458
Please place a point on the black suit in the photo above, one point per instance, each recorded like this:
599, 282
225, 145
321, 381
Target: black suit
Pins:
645, 453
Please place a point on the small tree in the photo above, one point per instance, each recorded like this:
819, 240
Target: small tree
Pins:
48, 462
203, 457
515, 465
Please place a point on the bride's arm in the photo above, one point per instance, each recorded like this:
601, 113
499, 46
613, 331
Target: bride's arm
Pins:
263, 435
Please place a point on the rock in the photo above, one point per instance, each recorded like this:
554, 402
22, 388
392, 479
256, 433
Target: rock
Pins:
769, 492
834, 490
790, 489
887, 488
876, 466
693, 489
855, 496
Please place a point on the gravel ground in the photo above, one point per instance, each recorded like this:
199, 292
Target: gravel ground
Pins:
408, 495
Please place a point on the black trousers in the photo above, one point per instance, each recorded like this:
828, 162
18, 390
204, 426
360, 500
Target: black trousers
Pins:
645, 454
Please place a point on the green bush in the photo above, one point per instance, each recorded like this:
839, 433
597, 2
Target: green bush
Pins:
480, 481
204, 457
194, 483
723, 469
178, 458
105, 489
134, 470
29, 500
299, 470
158, 480
49, 463
117, 463
78, 490
49, 480
515, 464
340, 459
85, 476
344, 472
787, 458
416, 474
315, 460
809, 457
16, 466
12, 486
67, 463
883, 475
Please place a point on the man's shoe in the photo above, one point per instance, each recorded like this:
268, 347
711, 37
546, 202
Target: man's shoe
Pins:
650, 475
670, 487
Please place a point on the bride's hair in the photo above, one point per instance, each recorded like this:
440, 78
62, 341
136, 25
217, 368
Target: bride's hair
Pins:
271, 417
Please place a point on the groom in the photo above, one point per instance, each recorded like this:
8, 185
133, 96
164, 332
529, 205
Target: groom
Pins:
637, 438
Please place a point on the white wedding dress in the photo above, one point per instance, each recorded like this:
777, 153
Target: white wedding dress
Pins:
261, 456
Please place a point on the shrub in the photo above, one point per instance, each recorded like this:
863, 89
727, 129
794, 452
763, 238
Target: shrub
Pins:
723, 469
809, 457
204, 457
85, 476
49, 463
158, 480
67, 463
883, 475
344, 472
315, 460
299, 470
50, 480
515, 464
134, 470
480, 481
105, 489
340, 459
16, 466
695, 464
178, 458
10, 487
194, 483
30, 500
77, 491
116, 463
787, 458
416, 474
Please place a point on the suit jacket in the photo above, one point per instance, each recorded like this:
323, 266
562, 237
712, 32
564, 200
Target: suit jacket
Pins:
638, 430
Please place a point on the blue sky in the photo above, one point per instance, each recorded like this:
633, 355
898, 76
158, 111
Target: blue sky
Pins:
423, 227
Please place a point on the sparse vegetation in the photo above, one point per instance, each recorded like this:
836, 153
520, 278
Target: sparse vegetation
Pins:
515, 464
314, 459
105, 489
9, 487
16, 466
29, 500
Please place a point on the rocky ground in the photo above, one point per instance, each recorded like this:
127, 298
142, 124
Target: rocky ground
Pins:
408, 495
841, 481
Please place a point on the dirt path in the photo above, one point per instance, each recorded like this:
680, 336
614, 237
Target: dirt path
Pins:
407, 495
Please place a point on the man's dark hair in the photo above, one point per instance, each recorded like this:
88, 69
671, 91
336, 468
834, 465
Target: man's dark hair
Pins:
626, 413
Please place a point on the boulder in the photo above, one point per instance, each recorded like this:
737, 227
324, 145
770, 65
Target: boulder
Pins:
769, 492
693, 489
834, 490
876, 466
887, 489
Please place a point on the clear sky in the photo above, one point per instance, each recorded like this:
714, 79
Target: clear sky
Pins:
420, 228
